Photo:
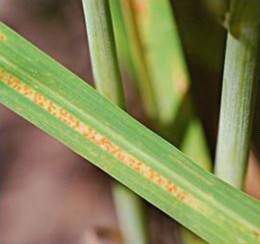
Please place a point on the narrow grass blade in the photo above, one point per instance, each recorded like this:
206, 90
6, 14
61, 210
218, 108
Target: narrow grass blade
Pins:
122, 41
103, 56
238, 93
162, 54
143, 80
55, 100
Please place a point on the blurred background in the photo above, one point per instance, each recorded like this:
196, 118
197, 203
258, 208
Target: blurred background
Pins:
48, 193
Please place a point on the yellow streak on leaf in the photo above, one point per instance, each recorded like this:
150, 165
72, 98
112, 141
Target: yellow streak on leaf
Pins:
103, 142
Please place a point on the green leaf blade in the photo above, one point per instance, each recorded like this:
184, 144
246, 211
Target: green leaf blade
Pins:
121, 146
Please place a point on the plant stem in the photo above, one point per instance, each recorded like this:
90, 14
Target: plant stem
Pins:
108, 82
238, 92
102, 50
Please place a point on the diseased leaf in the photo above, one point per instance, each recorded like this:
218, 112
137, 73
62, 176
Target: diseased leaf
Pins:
57, 101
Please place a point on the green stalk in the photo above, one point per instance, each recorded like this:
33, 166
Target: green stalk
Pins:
102, 50
238, 92
129, 206
52, 98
